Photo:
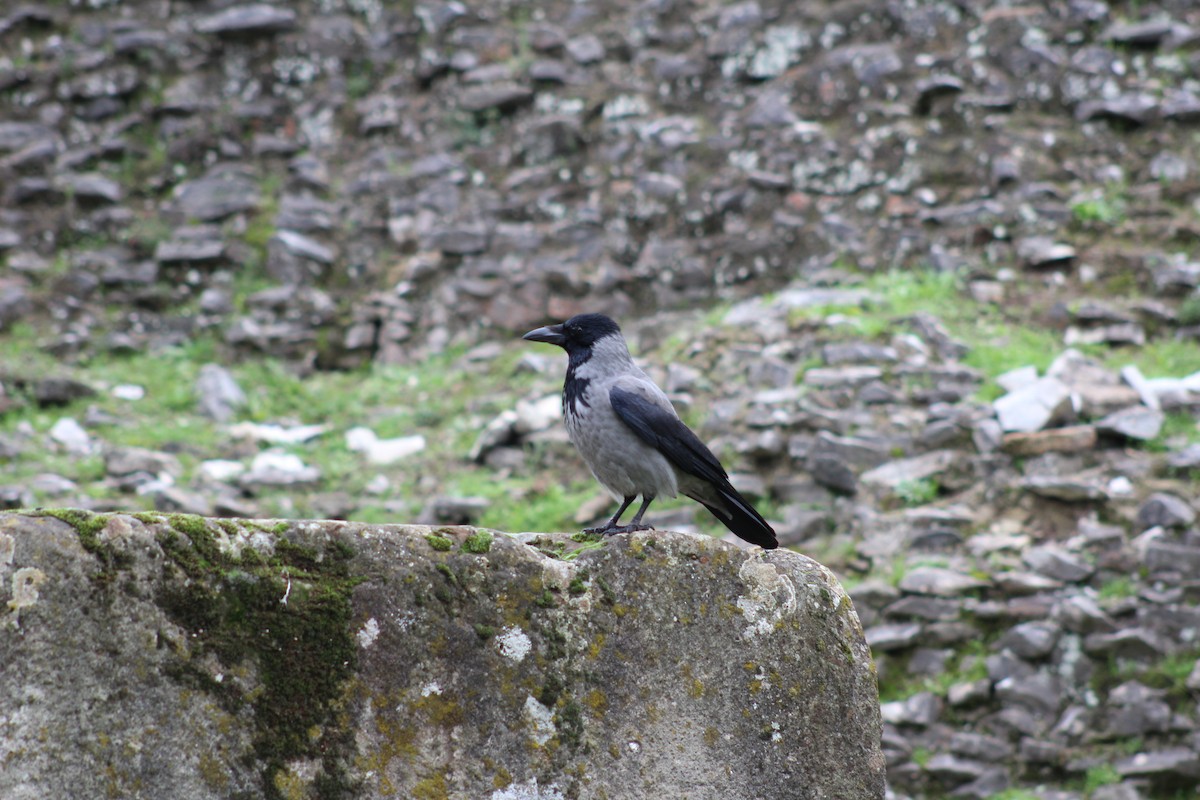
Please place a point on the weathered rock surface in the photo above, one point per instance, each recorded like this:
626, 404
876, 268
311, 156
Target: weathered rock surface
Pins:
177, 656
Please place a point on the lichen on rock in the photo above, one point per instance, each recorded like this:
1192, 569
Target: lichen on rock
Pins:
330, 659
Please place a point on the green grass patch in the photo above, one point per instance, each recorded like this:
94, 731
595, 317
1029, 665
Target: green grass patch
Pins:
966, 665
1178, 427
1159, 358
1015, 794
1117, 588
550, 509
918, 492
1100, 775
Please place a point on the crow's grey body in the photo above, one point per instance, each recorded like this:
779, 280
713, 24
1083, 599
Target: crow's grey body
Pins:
628, 433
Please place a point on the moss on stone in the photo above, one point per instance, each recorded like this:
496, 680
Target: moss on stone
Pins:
478, 543
234, 608
569, 724
431, 788
597, 701
610, 597
439, 542
290, 614
88, 525
448, 573
579, 583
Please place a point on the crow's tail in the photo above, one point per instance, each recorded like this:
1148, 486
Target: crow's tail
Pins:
741, 518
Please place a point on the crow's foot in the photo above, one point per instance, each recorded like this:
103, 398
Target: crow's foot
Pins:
630, 528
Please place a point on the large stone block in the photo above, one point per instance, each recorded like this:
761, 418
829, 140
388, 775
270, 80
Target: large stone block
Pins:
176, 656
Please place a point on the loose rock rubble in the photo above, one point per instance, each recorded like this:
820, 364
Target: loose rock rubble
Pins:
374, 185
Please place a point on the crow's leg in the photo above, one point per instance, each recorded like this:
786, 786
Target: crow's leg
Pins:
636, 523
611, 525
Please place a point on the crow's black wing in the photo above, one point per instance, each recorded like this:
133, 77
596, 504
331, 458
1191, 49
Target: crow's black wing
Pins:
666, 433
661, 429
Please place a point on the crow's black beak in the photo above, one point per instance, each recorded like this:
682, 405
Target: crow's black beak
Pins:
551, 334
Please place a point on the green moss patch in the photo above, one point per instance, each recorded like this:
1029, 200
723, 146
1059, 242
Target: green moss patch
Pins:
88, 525
439, 542
284, 619
478, 543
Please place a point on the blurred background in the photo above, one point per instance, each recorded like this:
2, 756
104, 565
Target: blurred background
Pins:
925, 274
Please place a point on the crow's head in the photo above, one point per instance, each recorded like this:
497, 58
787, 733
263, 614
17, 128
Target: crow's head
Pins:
579, 333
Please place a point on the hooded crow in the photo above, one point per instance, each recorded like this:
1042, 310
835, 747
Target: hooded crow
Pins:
630, 436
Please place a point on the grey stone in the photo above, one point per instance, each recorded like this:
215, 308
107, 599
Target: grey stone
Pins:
110, 82
218, 392
275, 468
247, 20
305, 247
444, 510
830, 472
936, 92
1165, 510
1182, 106
1116, 791
216, 196
837, 353
1039, 693
1135, 107
300, 212
1034, 406
71, 435
16, 135
1177, 763
826, 377
1136, 643
1040, 252
1167, 556
885, 638
850, 450
981, 746
55, 392
1169, 168
92, 187
1031, 640
926, 465
586, 49
1056, 563
939, 581
954, 769
177, 500
14, 303
467, 239
128, 460
1149, 33
502, 97
1185, 459
923, 607
1014, 583
369, 619
191, 245
991, 783
1150, 717
1122, 333
969, 693
921, 710
1081, 614
1069, 490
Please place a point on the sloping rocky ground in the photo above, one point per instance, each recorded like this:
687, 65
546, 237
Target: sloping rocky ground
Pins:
948, 254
